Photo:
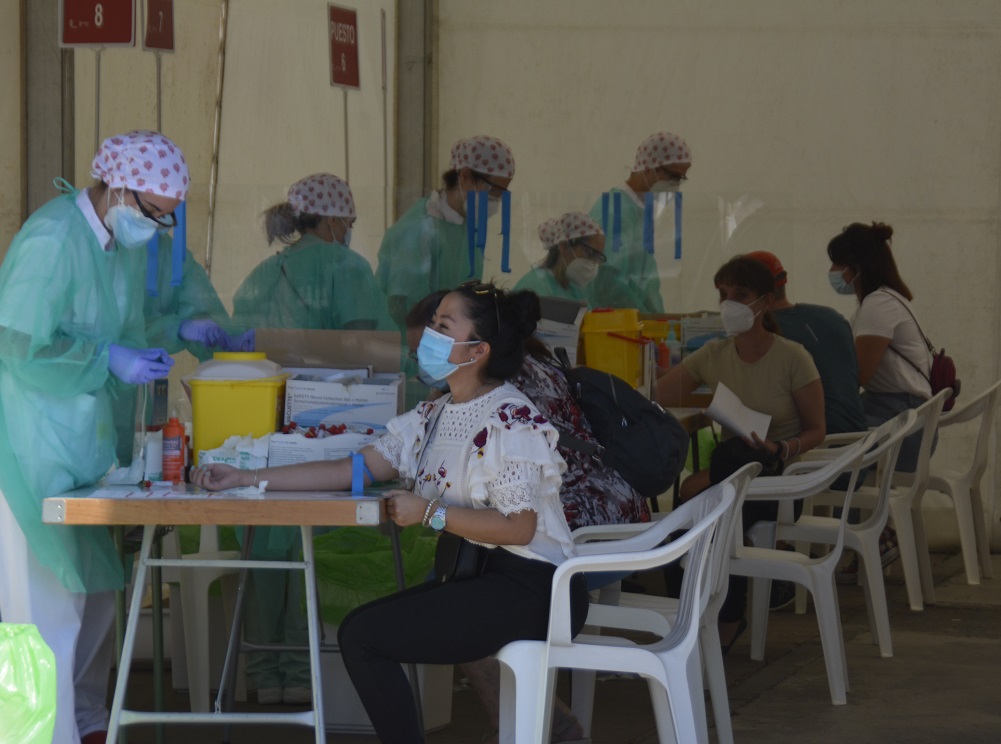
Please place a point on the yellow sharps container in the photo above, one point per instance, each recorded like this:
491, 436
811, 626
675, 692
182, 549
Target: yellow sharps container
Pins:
235, 393
613, 343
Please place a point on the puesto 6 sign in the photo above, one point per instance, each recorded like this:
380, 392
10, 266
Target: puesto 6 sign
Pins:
97, 23
343, 46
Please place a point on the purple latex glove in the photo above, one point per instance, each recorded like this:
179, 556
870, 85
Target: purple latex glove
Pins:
204, 331
244, 342
138, 366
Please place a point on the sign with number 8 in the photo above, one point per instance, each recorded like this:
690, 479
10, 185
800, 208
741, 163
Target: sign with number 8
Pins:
97, 23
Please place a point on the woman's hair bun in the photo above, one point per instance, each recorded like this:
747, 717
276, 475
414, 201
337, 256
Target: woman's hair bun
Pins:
527, 311
881, 231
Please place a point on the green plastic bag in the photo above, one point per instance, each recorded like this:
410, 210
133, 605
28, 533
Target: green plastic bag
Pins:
707, 443
354, 565
27, 686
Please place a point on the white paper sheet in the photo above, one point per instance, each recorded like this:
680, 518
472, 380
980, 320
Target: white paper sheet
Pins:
727, 410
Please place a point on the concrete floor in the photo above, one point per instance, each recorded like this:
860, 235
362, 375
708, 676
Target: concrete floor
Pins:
942, 683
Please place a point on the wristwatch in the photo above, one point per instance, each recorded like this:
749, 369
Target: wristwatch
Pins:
437, 521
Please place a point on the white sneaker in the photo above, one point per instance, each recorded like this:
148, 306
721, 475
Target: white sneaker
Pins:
269, 695
297, 695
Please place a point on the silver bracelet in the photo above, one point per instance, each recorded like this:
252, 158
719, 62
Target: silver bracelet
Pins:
427, 512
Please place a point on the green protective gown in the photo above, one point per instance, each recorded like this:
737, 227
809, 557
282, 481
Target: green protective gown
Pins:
634, 267
195, 297
63, 299
164, 312
421, 254
543, 283
315, 285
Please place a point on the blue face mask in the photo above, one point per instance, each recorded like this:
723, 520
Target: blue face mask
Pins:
837, 279
440, 385
130, 229
433, 352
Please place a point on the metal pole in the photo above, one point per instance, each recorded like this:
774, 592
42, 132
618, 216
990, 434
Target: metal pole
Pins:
97, 98
387, 194
213, 174
347, 169
159, 92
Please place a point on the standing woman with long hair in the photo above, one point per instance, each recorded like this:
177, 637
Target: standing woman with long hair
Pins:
893, 359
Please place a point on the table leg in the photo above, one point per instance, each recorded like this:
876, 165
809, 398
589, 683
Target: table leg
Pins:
401, 584
118, 534
313, 622
128, 643
157, 586
227, 687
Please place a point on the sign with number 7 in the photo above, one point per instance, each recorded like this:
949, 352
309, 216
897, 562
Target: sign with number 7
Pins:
97, 23
159, 33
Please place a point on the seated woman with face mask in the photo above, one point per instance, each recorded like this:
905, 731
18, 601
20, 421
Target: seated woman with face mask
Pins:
769, 374
484, 465
575, 246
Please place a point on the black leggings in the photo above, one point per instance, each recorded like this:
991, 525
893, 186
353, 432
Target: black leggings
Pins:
449, 623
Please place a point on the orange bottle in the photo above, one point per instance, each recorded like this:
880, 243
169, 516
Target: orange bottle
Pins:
173, 451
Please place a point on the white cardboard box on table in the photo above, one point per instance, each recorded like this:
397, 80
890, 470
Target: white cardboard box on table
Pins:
286, 449
370, 402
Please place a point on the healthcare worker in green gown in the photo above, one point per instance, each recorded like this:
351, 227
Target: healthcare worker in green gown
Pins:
72, 333
428, 248
183, 316
631, 278
575, 246
316, 280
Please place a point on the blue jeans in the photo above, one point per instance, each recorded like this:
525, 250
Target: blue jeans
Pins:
880, 407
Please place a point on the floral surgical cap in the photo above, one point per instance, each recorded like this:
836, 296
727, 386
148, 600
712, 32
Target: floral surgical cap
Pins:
550, 233
662, 148
483, 154
144, 161
322, 194
579, 225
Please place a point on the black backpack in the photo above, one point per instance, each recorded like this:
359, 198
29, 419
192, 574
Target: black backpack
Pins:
638, 438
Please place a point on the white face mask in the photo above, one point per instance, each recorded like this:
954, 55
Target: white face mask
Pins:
493, 205
581, 272
737, 317
672, 184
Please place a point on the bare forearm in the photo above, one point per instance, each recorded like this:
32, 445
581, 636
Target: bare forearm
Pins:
323, 475
490, 526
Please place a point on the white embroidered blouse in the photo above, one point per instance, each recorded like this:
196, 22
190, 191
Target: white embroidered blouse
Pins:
493, 452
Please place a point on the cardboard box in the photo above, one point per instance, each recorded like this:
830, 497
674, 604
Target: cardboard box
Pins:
286, 449
371, 402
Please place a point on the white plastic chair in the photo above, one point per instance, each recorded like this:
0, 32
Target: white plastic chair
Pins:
862, 537
670, 664
717, 574
816, 574
963, 486
905, 507
193, 588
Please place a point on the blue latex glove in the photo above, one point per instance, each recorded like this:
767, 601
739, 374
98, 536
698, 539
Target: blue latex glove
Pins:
244, 342
138, 366
204, 331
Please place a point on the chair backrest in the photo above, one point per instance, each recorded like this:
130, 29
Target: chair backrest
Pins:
927, 424
984, 405
718, 571
699, 518
889, 437
801, 485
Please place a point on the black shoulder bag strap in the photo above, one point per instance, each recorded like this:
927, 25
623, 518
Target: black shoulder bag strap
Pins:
895, 350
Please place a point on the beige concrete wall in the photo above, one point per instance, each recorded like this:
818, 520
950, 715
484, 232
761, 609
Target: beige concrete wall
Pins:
802, 117
10, 122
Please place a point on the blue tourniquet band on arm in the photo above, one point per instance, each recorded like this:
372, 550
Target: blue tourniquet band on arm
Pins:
358, 472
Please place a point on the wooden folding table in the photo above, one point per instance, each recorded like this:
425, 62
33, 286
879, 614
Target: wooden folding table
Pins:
187, 505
